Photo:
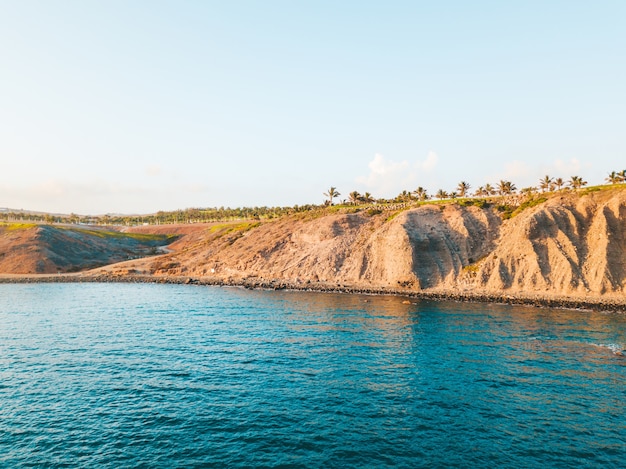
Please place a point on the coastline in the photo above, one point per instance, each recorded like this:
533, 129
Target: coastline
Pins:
609, 304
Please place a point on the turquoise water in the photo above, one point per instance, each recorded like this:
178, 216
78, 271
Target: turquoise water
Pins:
106, 375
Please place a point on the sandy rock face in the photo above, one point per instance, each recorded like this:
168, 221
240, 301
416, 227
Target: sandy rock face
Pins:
443, 242
419, 248
571, 244
568, 246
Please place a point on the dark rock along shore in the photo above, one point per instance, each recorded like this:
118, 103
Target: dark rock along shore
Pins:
595, 304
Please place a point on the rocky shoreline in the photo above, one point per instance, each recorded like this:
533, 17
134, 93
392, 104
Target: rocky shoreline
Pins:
594, 304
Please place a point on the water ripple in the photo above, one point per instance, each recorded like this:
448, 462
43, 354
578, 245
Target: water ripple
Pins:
176, 376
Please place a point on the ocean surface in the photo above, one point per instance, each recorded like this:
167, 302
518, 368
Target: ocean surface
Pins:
118, 375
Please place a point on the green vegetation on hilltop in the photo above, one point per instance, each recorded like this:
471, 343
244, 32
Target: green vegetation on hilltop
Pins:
510, 211
141, 237
18, 226
100, 233
480, 203
394, 214
225, 228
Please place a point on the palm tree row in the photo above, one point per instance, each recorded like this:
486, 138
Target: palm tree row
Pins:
356, 198
502, 188
505, 188
463, 190
549, 184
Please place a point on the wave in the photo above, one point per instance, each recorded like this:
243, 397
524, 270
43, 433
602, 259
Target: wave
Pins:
617, 349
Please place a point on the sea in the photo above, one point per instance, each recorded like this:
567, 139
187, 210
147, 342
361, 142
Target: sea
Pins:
178, 376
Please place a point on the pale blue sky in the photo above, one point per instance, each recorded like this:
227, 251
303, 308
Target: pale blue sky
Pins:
138, 106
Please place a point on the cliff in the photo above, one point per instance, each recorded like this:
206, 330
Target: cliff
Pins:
571, 244
418, 248
566, 244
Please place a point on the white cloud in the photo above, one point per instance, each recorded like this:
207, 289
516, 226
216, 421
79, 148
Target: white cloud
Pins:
568, 168
430, 163
388, 177
382, 170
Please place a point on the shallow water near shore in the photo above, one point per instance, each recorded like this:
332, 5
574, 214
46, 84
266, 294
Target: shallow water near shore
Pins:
132, 375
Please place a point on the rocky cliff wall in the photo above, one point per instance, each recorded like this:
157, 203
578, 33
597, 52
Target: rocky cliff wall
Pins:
570, 244
420, 248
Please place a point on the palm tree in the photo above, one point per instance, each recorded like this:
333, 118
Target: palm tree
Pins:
528, 191
403, 196
420, 193
480, 192
506, 187
576, 182
463, 188
367, 198
453, 195
559, 183
441, 194
622, 175
614, 178
355, 197
489, 189
331, 194
545, 183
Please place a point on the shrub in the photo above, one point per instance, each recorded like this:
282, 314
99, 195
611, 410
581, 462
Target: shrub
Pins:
373, 211
480, 203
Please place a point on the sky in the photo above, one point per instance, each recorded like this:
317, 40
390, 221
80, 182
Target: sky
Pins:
137, 106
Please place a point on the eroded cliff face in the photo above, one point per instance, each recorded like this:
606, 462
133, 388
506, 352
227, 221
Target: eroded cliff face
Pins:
419, 248
571, 244
443, 244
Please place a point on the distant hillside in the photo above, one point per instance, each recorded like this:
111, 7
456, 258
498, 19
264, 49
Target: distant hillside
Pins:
32, 248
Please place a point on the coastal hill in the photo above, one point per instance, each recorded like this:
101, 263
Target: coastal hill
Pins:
28, 248
564, 243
